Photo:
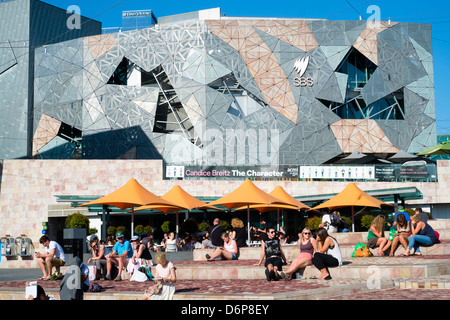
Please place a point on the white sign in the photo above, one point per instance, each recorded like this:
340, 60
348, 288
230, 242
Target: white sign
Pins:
337, 172
175, 172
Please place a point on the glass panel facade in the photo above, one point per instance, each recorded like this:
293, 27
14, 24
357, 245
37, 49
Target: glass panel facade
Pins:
358, 68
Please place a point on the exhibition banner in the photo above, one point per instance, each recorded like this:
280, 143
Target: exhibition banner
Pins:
244, 172
337, 172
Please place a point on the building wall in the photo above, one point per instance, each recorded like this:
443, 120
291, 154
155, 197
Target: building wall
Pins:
25, 25
236, 84
14, 82
28, 187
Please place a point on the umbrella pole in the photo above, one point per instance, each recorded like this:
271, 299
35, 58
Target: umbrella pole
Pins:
353, 219
248, 223
132, 221
177, 222
278, 219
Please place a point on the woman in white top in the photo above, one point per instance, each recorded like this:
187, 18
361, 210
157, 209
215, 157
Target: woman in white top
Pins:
166, 276
329, 254
403, 232
229, 250
171, 244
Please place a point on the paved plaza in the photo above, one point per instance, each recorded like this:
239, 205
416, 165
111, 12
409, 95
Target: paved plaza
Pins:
339, 288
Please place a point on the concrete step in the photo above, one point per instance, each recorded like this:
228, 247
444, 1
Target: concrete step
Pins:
371, 269
292, 251
355, 237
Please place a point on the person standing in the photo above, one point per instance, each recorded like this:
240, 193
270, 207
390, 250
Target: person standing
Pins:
53, 257
271, 250
238, 232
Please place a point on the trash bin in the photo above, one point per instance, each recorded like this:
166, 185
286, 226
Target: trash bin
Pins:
24, 245
8, 246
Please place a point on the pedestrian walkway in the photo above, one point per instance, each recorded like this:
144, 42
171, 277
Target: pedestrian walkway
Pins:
413, 277
251, 289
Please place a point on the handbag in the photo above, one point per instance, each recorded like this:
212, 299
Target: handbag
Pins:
153, 290
363, 252
92, 272
392, 234
138, 276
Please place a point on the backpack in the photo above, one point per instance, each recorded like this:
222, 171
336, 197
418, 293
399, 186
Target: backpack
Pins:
95, 287
335, 220
437, 236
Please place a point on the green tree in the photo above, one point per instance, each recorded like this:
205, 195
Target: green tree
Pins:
313, 223
366, 221
77, 221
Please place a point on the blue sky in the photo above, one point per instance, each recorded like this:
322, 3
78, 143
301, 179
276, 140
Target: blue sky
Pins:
435, 12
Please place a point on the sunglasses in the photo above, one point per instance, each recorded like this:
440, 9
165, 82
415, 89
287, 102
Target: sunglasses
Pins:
271, 232
306, 232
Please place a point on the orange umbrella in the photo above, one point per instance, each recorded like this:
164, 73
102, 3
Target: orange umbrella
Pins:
352, 196
130, 195
181, 199
245, 195
280, 193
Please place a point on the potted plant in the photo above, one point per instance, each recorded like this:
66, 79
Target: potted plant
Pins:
76, 225
313, 223
112, 231
75, 234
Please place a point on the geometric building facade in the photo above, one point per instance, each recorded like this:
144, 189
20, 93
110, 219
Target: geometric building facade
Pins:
201, 88
24, 26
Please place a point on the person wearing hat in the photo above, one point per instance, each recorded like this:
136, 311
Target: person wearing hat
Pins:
141, 255
122, 251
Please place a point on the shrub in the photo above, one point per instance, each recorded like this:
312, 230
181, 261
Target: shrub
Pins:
139, 229
203, 226
112, 231
366, 221
167, 226
348, 220
92, 231
225, 225
148, 229
410, 211
121, 228
313, 223
189, 226
77, 221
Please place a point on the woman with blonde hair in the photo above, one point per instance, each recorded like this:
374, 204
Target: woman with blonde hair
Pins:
165, 276
422, 234
307, 245
238, 232
376, 238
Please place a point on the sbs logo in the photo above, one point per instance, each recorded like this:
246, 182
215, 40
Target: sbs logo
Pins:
300, 67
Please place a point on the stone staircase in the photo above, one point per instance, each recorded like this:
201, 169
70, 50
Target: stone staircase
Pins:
435, 261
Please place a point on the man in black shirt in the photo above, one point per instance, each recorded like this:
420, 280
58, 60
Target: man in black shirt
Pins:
271, 249
214, 236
